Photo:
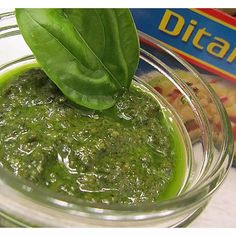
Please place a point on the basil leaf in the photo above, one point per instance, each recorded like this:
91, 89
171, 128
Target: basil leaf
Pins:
90, 54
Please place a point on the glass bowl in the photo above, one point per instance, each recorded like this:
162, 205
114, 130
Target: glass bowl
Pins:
200, 117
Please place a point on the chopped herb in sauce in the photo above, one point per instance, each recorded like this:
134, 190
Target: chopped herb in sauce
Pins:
126, 154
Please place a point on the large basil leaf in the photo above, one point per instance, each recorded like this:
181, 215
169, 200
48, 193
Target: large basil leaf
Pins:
90, 54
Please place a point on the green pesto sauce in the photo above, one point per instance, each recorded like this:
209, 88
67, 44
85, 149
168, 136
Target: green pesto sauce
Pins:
128, 154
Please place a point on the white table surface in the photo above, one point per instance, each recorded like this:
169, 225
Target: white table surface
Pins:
221, 210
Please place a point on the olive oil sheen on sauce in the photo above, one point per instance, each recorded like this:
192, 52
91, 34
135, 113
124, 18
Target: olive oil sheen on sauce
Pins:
129, 154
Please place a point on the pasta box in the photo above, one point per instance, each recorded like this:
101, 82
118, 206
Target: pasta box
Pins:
206, 38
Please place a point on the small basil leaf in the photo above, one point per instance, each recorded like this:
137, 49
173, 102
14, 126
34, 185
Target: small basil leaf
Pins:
90, 54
